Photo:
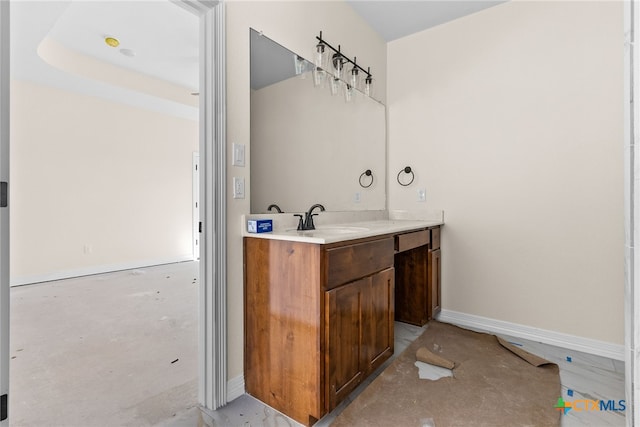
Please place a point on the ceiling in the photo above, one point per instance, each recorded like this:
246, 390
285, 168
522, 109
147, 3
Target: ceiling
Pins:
162, 37
160, 40
393, 19
156, 38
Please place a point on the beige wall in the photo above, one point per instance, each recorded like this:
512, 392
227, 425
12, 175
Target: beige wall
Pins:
311, 147
512, 119
96, 185
294, 24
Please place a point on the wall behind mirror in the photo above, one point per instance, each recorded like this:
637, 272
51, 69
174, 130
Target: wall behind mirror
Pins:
308, 146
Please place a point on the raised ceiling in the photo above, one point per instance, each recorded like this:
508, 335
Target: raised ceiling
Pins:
162, 37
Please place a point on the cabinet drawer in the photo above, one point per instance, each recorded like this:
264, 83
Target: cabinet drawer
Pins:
435, 238
407, 241
348, 263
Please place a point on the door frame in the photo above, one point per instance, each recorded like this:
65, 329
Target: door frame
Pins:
212, 333
4, 212
631, 211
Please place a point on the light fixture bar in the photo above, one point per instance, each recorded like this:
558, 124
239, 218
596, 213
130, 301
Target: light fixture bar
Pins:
367, 71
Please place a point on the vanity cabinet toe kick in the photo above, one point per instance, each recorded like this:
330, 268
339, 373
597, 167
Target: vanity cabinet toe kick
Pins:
319, 318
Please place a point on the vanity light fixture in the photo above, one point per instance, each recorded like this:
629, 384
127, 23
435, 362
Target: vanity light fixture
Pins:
338, 64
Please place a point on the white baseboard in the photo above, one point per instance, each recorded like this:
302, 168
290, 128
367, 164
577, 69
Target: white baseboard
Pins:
235, 388
89, 271
558, 339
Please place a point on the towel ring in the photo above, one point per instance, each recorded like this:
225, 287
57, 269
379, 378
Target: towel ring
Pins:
406, 170
363, 174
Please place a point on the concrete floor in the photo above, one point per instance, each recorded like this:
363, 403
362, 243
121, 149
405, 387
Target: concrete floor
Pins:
120, 349
586, 376
116, 349
246, 411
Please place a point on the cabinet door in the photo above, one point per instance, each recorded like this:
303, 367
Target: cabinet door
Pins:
378, 319
343, 365
434, 299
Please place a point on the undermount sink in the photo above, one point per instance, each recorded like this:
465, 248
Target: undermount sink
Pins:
339, 229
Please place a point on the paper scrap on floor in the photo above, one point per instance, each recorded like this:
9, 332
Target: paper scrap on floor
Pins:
432, 372
432, 366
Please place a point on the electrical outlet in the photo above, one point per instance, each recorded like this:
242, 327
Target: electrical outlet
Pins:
238, 188
356, 197
422, 195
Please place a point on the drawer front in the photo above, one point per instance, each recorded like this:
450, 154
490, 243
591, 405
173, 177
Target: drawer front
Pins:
435, 238
407, 241
348, 263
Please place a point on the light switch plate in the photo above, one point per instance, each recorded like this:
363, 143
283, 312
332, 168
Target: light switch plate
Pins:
238, 155
238, 188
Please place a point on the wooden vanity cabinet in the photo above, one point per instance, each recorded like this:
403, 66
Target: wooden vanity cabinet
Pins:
418, 276
318, 320
359, 332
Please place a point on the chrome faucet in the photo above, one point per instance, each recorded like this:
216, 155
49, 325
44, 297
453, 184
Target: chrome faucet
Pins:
308, 218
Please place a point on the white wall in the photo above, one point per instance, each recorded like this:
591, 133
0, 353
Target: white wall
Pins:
96, 185
512, 119
294, 24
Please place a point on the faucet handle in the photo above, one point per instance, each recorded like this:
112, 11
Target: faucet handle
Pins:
300, 222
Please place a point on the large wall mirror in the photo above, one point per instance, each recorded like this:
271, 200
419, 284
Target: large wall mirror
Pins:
307, 145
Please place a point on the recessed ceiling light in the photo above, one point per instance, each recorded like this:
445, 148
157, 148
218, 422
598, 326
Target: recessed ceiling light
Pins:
128, 52
112, 41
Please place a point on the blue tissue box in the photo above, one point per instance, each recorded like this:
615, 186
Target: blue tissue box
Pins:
259, 225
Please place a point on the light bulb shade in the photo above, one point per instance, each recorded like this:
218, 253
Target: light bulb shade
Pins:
299, 64
319, 77
321, 56
368, 86
335, 85
348, 92
338, 62
354, 78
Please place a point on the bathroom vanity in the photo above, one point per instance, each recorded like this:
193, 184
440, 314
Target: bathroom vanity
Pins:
320, 307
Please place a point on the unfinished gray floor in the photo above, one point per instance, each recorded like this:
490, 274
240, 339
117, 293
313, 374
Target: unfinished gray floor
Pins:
120, 349
585, 376
116, 349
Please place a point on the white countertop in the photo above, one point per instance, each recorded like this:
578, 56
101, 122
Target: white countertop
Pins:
343, 231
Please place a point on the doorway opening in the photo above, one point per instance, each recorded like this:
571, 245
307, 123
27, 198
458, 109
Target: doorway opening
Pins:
98, 159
